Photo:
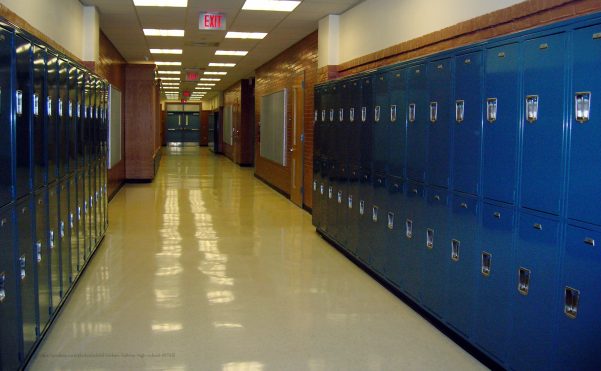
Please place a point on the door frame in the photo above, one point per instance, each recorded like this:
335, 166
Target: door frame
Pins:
296, 147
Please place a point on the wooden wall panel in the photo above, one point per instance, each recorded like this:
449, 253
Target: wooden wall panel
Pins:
204, 128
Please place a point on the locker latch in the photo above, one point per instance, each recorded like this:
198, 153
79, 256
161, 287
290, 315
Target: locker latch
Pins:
340, 197
393, 113
377, 114
315, 117
60, 107
22, 266
330, 192
433, 111
36, 104
49, 106
70, 109
524, 281
341, 114
390, 220
572, 297
363, 114
583, 106
51, 242
430, 238
409, 228
531, 108
361, 207
331, 115
2, 286
38, 251
589, 241
351, 114
411, 112
491, 110
62, 230
350, 201
321, 189
486, 264
19, 102
71, 221
315, 185
459, 110
78, 213
374, 214
455, 250
323, 115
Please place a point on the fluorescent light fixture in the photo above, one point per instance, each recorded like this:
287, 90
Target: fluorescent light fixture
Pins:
168, 63
240, 53
205, 84
245, 35
209, 79
170, 83
170, 3
204, 88
159, 32
270, 5
169, 72
222, 64
166, 51
170, 78
215, 73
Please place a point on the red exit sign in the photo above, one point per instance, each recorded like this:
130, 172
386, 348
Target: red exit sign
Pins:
212, 21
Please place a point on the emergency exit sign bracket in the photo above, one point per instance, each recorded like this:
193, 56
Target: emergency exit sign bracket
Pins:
211, 21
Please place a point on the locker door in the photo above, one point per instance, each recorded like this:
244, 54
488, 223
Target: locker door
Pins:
580, 324
63, 120
7, 130
501, 123
468, 123
352, 203
317, 138
24, 108
462, 255
81, 117
381, 123
43, 256
365, 217
64, 238
438, 118
366, 119
543, 122
378, 212
26, 271
53, 243
73, 228
434, 252
396, 244
81, 219
583, 194
397, 115
332, 166
9, 313
535, 290
417, 123
413, 223
353, 112
343, 164
495, 281
72, 119
39, 118
52, 120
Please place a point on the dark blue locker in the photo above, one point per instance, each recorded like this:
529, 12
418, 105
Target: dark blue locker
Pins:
27, 256
54, 244
39, 118
378, 211
468, 123
396, 242
381, 123
434, 252
64, 238
81, 116
81, 219
352, 204
23, 115
364, 201
343, 164
580, 323
9, 286
543, 123
52, 120
583, 191
462, 256
354, 126
366, 119
63, 117
332, 128
72, 119
535, 281
495, 290
397, 90
414, 224
6, 130
417, 123
501, 123
439, 122
43, 256
73, 228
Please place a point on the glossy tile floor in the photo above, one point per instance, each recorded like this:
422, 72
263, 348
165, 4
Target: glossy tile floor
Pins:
207, 268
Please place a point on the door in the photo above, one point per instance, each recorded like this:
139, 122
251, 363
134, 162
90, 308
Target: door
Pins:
173, 122
192, 127
296, 149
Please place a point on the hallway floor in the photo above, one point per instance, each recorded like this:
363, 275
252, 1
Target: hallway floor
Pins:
207, 268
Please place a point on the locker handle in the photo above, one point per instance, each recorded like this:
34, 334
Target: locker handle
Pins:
572, 299
393, 113
374, 214
36, 104
315, 185
390, 220
339, 198
414, 190
486, 264
38, 251
455, 250
78, 213
491, 110
2, 286
60, 107
70, 109
341, 114
430, 238
330, 192
363, 114
331, 115
377, 114
350, 201
62, 230
464, 205
409, 228
532, 108
51, 239
433, 111
497, 214
524, 276
437, 197
411, 112
315, 117
361, 207
321, 189
323, 115
351, 114
19, 102
583, 106
459, 111
538, 226
396, 186
49, 106
71, 221
22, 264
589, 241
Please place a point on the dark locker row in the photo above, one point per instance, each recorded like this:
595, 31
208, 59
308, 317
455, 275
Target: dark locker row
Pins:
469, 180
53, 195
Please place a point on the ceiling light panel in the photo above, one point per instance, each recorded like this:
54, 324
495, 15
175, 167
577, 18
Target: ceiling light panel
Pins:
159, 63
159, 32
271, 5
166, 51
170, 3
215, 73
205, 84
204, 88
240, 53
245, 35
222, 64
170, 83
209, 79
170, 78
169, 72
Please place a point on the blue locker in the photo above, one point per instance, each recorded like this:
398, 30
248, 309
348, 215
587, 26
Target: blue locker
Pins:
396, 243
73, 228
365, 218
378, 211
72, 119
580, 323
39, 118
381, 123
353, 112
583, 190
495, 288
354, 158
54, 245
468, 123
64, 238
63, 117
414, 224
397, 90
43, 256
434, 252
417, 122
6, 130
23, 115
26, 271
501, 123
462, 256
9, 286
52, 120
366, 120
439, 122
343, 164
543, 123
535, 281
81, 220
352, 204
81, 114
333, 160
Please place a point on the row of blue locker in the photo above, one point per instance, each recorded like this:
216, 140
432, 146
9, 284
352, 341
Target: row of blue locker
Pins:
467, 180
480, 121
53, 185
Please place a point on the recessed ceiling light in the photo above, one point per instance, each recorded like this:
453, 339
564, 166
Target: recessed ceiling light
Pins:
205, 84
215, 73
169, 72
240, 53
171, 3
204, 88
166, 51
270, 5
158, 32
245, 35
170, 78
222, 64
209, 79
170, 83
168, 63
